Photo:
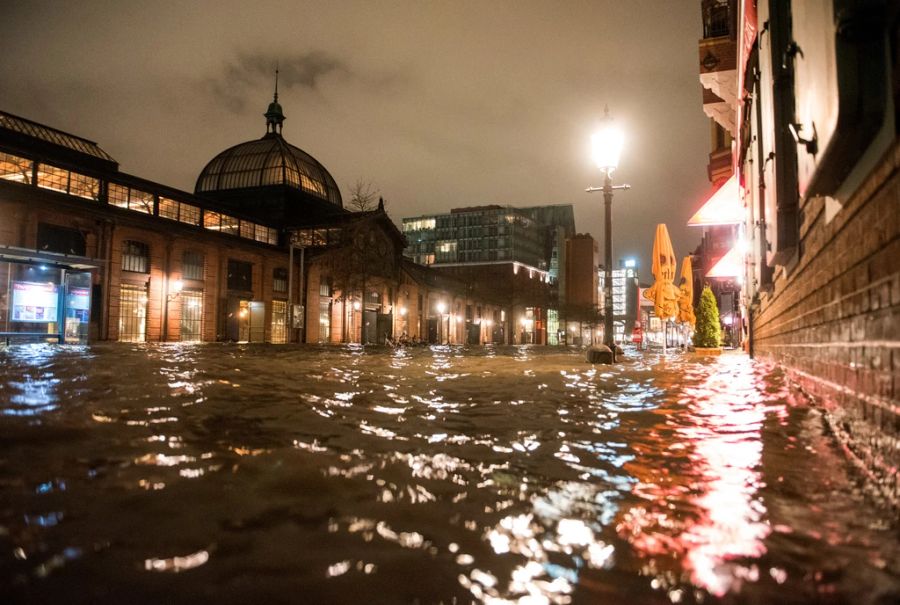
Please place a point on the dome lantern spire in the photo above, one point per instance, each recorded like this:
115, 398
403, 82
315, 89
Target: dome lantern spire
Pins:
274, 116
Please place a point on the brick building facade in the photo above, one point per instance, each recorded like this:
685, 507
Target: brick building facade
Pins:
262, 252
817, 156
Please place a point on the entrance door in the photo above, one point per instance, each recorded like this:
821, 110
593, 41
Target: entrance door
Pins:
132, 313
246, 320
384, 327
191, 315
370, 327
257, 327
432, 330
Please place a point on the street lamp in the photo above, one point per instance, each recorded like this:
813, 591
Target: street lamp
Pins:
606, 146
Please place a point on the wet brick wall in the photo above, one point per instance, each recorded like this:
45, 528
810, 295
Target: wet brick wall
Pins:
834, 320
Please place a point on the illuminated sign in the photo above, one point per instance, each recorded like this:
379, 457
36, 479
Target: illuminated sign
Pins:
34, 302
78, 304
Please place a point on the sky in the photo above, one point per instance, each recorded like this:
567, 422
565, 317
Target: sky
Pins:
438, 104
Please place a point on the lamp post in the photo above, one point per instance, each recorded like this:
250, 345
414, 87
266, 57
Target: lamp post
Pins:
606, 147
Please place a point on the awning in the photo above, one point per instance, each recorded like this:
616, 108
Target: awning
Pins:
729, 266
53, 259
722, 208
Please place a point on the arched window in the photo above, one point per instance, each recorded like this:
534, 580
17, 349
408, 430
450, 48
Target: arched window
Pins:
135, 257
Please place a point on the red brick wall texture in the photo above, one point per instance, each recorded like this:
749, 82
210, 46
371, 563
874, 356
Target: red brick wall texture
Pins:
833, 320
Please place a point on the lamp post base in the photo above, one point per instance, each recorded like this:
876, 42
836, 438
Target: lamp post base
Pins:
601, 354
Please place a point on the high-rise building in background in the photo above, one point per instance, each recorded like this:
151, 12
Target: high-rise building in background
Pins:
517, 251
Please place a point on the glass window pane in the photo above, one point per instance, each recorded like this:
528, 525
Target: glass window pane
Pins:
230, 225
168, 208
135, 257
192, 265
141, 201
212, 220
118, 195
14, 168
84, 186
191, 315
51, 177
247, 229
189, 214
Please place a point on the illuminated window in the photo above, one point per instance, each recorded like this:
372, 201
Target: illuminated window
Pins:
118, 195
51, 177
140, 201
14, 168
191, 315
189, 214
230, 225
84, 186
279, 322
168, 208
212, 220
132, 313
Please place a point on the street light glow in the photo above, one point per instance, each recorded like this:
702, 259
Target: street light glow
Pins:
606, 146
441, 307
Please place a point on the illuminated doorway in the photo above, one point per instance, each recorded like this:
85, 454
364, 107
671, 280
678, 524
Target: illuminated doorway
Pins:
132, 313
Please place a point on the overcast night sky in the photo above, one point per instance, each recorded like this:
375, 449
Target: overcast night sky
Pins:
438, 104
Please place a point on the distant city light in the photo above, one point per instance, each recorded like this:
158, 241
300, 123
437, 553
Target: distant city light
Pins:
630, 263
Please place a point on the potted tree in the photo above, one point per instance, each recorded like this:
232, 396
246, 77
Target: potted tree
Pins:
707, 333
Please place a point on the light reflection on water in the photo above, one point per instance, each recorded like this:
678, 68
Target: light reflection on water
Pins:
514, 474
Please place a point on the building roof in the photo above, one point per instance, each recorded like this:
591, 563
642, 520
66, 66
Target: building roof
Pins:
52, 135
267, 162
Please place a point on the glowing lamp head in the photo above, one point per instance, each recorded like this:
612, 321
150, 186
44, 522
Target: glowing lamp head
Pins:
403, 311
177, 286
441, 307
356, 305
606, 146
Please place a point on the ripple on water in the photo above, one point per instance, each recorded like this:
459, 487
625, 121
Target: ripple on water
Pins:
502, 474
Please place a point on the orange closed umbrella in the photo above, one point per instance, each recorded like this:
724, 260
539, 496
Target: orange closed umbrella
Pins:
663, 292
686, 298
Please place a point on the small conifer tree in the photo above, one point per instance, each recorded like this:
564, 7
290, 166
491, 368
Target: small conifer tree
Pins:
707, 333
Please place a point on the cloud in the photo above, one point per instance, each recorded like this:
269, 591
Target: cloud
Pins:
241, 80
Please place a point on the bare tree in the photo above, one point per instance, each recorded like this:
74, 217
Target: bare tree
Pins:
363, 196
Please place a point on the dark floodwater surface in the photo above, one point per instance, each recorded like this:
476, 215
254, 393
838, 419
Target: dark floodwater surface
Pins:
272, 474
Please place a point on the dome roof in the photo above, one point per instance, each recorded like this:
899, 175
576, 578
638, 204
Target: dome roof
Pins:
265, 162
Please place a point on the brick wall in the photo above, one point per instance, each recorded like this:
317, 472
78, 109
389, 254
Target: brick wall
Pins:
833, 320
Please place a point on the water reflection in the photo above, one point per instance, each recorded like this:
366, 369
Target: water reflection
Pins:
501, 474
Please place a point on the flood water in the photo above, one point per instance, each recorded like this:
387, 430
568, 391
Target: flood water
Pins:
270, 474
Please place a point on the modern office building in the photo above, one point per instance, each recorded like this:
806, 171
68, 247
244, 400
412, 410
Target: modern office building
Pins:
490, 233
521, 250
626, 301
